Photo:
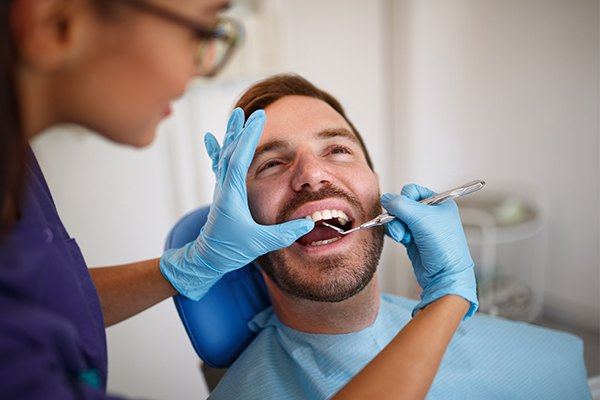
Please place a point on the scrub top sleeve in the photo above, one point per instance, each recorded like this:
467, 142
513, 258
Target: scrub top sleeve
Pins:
38, 358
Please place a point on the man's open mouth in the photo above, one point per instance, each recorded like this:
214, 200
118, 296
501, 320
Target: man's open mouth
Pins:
322, 235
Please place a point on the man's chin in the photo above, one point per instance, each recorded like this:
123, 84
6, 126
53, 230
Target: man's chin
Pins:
330, 284
326, 278
329, 273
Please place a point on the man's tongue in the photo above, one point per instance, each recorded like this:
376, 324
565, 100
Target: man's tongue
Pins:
320, 232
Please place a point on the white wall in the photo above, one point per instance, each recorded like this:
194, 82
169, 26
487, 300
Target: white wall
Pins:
508, 91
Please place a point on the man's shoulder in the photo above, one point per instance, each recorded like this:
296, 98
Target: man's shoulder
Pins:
264, 344
481, 328
517, 337
260, 362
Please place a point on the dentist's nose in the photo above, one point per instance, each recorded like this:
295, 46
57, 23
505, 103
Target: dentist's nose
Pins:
309, 174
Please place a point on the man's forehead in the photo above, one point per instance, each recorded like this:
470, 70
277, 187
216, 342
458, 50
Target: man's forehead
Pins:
276, 144
300, 118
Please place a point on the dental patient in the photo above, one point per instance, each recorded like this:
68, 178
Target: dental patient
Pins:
328, 317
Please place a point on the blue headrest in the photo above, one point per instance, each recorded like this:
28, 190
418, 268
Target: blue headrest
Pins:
217, 323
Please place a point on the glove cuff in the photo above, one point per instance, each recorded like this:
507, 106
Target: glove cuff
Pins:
187, 272
462, 284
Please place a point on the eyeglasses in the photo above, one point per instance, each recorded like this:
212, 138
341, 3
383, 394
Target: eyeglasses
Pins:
216, 45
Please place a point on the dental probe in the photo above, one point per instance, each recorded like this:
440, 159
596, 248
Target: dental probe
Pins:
384, 218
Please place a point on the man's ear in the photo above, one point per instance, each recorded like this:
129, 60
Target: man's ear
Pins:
47, 33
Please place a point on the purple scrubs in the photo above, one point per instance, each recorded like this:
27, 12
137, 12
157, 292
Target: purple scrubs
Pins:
52, 336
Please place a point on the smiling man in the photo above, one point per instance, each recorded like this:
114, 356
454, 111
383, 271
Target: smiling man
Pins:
329, 318
311, 163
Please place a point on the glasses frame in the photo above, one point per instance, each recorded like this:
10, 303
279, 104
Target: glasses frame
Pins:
233, 40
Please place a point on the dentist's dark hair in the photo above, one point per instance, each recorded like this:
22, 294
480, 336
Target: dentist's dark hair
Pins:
268, 91
13, 145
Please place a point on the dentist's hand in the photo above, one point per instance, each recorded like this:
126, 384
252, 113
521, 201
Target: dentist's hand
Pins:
230, 238
436, 245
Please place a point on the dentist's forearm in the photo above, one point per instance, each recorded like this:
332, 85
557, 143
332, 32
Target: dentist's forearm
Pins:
406, 368
127, 290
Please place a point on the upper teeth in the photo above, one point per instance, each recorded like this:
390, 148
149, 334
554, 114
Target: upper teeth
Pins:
329, 214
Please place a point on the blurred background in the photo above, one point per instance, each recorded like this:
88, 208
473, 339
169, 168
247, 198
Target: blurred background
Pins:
443, 91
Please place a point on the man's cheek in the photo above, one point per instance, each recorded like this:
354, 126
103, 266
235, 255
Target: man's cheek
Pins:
258, 215
259, 211
254, 204
374, 196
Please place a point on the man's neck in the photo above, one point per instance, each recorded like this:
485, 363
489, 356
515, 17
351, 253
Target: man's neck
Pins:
350, 315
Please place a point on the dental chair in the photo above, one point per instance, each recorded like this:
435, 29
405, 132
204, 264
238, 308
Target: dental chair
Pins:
239, 296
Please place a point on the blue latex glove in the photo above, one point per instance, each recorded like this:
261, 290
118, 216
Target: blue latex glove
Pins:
436, 245
230, 238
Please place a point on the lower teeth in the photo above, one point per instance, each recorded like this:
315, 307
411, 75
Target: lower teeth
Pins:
323, 242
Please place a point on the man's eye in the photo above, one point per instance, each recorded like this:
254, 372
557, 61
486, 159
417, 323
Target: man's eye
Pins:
269, 164
340, 150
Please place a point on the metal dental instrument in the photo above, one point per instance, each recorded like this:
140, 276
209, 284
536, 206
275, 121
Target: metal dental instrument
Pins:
384, 218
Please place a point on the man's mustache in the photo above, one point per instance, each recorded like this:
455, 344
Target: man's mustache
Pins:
326, 192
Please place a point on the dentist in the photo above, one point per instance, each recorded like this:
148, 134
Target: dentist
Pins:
113, 66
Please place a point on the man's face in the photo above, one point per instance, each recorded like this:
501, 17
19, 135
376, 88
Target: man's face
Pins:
309, 163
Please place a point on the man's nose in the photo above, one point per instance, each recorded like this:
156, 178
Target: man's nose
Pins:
309, 174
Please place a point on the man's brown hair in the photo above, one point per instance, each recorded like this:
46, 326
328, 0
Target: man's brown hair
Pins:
269, 90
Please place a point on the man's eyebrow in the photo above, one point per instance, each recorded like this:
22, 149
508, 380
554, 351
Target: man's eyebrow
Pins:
270, 146
338, 132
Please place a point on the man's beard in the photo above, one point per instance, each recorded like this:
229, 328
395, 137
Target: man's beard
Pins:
334, 278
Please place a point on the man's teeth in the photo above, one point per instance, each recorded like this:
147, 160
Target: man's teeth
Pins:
322, 242
329, 214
